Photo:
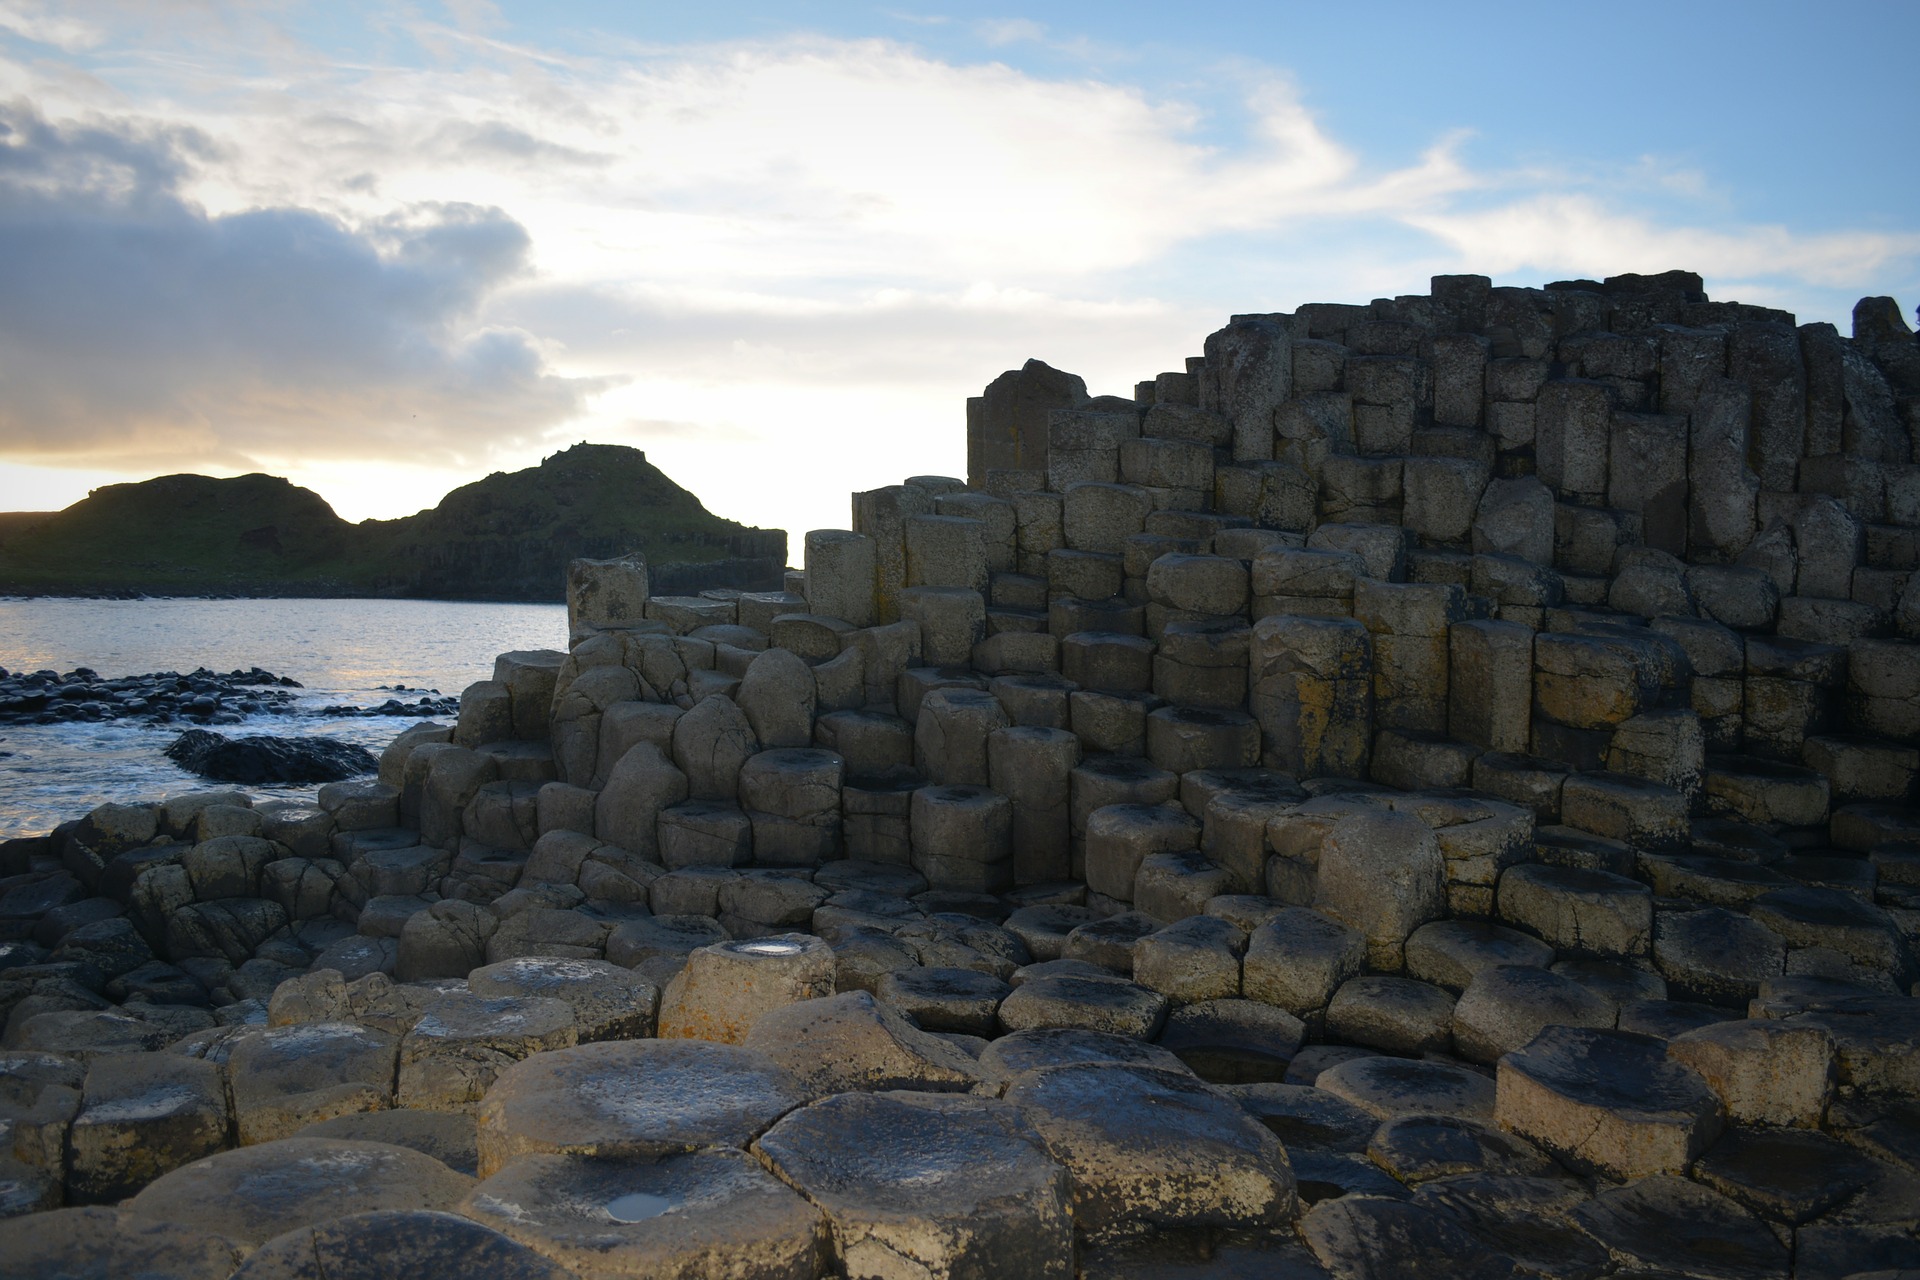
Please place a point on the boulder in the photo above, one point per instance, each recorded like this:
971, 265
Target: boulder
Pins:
727, 987
709, 1212
284, 1078
254, 1194
378, 1245
259, 760
1146, 1148
1606, 1102
104, 1244
632, 1098
926, 1185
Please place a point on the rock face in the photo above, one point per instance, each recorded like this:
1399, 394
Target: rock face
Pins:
259, 760
1428, 788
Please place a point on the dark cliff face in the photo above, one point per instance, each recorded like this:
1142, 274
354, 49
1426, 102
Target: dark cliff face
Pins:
507, 537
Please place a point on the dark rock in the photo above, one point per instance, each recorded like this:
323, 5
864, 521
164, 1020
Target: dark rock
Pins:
1524, 1218
1304, 1117
1420, 1148
258, 759
894, 1171
1667, 1224
1377, 1238
1788, 1175
1155, 1149
375, 1246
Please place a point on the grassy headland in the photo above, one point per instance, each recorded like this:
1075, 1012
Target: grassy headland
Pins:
507, 537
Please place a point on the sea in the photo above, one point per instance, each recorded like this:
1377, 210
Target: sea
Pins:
344, 653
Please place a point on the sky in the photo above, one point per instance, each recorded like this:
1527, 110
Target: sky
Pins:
386, 249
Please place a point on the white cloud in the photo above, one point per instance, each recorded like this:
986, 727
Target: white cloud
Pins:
1582, 233
138, 330
780, 265
44, 24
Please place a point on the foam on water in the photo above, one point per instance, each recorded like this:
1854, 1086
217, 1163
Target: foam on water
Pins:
341, 650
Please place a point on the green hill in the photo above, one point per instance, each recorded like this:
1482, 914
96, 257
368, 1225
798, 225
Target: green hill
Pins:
507, 537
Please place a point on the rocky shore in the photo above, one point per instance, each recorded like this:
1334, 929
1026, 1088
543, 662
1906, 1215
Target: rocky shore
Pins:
162, 697
1310, 819
200, 697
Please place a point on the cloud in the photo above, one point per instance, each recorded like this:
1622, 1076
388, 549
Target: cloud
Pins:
44, 24
999, 31
137, 329
815, 246
1582, 233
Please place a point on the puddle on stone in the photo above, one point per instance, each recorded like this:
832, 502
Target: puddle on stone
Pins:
637, 1206
766, 947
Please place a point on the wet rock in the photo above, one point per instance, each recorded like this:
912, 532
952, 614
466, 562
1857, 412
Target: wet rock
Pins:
380, 1245
657, 947
1667, 1224
1394, 1015
633, 1098
919, 1185
1116, 1007
462, 1041
1786, 1176
109, 1244
1233, 1041
1449, 953
254, 1194
608, 1001
447, 1137
142, 1115
684, 1214
286, 1078
1606, 1102
1376, 1238
1525, 1218
1418, 1148
945, 999
1716, 955
1149, 1149
258, 760
1304, 1117
852, 1041
1017, 1053
1506, 1006
1389, 1087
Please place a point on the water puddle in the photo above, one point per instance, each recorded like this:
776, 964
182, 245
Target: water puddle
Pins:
638, 1206
769, 947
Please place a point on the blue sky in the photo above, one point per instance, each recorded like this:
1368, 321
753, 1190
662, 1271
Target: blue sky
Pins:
386, 249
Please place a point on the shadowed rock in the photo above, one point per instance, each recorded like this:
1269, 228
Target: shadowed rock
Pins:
260, 760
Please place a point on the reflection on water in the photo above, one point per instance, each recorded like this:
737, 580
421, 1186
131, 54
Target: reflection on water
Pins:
341, 650
637, 1206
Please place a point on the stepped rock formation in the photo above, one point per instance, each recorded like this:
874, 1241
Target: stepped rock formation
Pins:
1429, 787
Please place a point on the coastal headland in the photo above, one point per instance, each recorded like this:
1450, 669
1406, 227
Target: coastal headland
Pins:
1424, 788
507, 537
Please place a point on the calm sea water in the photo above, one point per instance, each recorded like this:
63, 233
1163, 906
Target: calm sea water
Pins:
341, 650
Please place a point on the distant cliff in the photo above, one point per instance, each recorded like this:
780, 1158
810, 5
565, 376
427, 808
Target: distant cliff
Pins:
507, 537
